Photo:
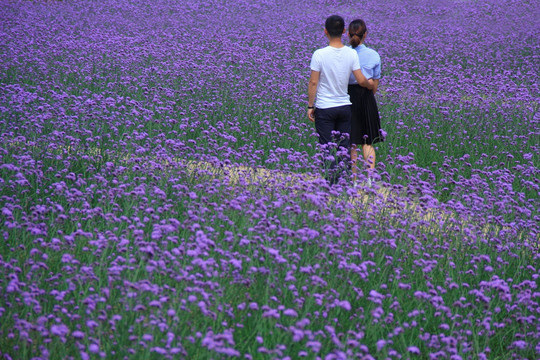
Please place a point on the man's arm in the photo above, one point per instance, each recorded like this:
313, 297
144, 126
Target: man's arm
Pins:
375, 85
361, 79
312, 92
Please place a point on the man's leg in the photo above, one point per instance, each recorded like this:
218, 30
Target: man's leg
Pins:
325, 125
343, 125
343, 129
354, 159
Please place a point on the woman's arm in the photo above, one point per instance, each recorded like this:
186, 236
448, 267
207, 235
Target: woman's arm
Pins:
377, 73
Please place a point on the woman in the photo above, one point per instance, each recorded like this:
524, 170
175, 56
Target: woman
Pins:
365, 121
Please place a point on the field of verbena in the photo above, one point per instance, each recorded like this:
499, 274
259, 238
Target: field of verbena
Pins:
161, 193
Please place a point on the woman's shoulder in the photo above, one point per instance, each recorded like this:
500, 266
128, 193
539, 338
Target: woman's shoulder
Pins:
372, 52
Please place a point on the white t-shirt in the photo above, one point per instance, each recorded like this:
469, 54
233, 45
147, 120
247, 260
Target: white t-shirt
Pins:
335, 66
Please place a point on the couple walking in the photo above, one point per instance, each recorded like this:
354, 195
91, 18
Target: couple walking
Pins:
341, 98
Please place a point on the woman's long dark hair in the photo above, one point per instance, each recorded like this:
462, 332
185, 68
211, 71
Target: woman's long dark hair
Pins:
357, 29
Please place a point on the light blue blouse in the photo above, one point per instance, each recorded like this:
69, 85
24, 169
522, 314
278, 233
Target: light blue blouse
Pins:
370, 63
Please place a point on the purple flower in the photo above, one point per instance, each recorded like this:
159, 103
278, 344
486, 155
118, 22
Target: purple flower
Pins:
344, 304
93, 348
520, 344
290, 312
59, 330
77, 334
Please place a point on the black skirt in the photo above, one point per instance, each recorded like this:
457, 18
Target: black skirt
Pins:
365, 120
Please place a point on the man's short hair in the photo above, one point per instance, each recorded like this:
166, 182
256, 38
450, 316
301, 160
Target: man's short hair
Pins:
335, 25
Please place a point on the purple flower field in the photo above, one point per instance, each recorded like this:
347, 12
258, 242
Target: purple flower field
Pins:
161, 190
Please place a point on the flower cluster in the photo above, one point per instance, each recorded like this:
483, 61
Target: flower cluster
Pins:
162, 195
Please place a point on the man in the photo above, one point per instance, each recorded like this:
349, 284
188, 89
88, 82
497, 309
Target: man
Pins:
329, 105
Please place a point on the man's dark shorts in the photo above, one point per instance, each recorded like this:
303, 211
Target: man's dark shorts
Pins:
336, 119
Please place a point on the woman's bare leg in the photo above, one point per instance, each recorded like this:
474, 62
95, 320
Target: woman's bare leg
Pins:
369, 158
